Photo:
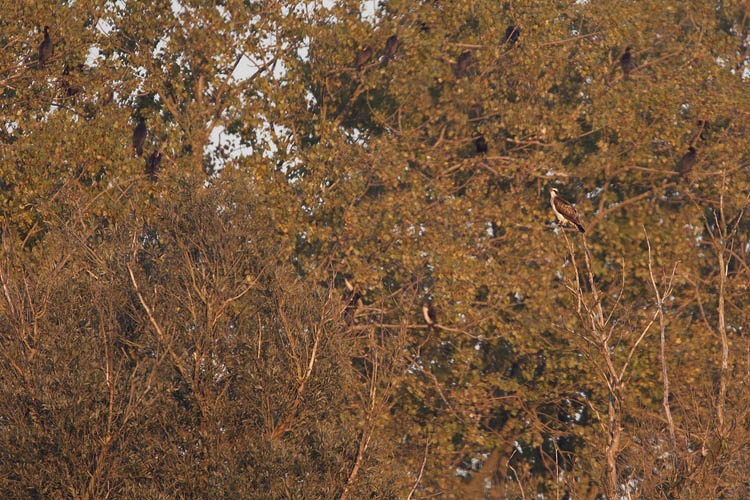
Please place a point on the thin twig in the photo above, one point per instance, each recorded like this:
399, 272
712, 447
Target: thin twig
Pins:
421, 470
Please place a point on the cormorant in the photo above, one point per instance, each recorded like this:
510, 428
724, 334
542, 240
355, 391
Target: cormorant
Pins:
139, 137
626, 62
45, 48
512, 33
686, 163
481, 144
391, 46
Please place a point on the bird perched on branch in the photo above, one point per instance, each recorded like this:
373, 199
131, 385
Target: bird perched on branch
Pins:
480, 144
463, 63
45, 48
564, 210
685, 165
139, 137
391, 46
626, 63
363, 56
152, 165
512, 33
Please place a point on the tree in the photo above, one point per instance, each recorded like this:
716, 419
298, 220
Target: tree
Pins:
250, 323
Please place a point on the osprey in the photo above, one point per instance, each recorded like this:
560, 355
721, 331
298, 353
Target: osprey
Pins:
564, 211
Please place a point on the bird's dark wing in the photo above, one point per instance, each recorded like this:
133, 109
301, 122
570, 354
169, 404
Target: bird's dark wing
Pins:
569, 212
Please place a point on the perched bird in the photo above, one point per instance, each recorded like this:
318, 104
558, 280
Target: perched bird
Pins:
626, 63
564, 211
685, 165
391, 46
45, 48
512, 33
363, 56
152, 165
429, 314
463, 63
139, 137
69, 89
352, 299
480, 144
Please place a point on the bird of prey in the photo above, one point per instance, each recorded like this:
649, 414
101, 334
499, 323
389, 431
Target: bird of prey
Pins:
463, 63
139, 137
152, 165
685, 165
45, 48
480, 143
564, 211
626, 63
429, 314
391, 46
512, 33
363, 56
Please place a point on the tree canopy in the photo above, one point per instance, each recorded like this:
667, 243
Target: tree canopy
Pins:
237, 312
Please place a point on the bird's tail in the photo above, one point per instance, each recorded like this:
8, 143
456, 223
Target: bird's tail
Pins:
580, 228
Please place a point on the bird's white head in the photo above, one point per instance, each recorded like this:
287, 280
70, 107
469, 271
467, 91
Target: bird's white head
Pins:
553, 192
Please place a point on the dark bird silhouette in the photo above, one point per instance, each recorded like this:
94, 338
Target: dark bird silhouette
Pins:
480, 144
512, 33
69, 89
45, 48
429, 314
463, 63
685, 165
152, 165
391, 47
363, 56
139, 137
626, 63
352, 299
